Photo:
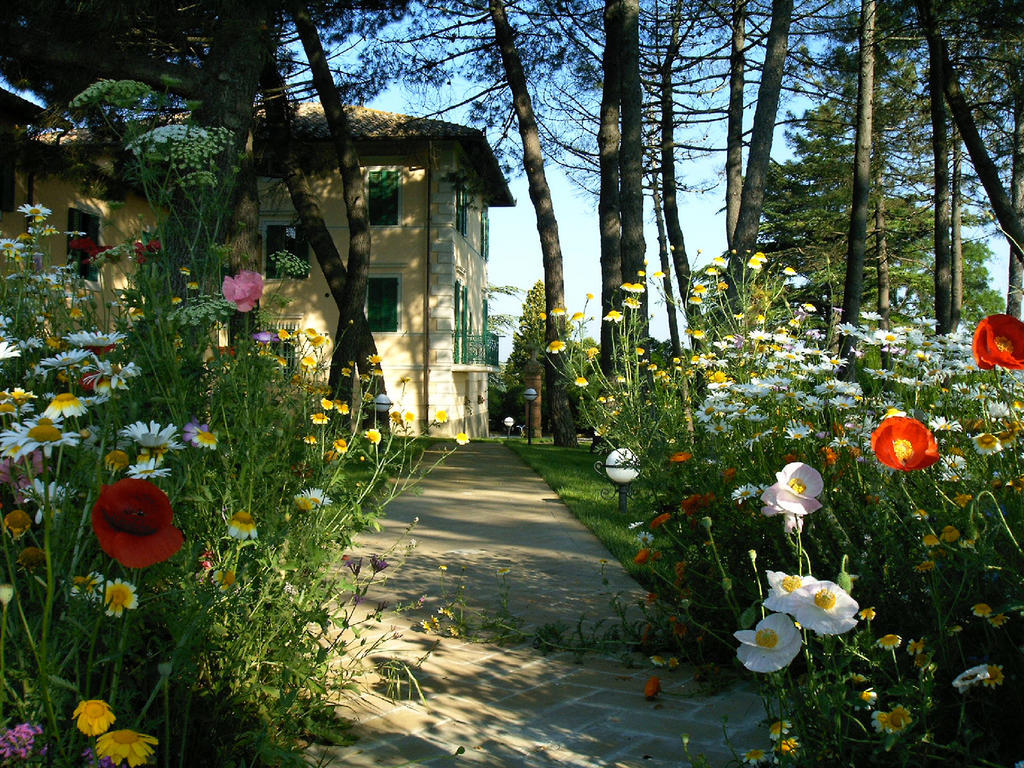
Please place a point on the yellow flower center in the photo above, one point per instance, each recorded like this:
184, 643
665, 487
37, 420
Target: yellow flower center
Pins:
1003, 344
899, 719
798, 485
987, 441
766, 638
792, 583
825, 600
44, 433
242, 518
903, 449
95, 709
119, 596
66, 398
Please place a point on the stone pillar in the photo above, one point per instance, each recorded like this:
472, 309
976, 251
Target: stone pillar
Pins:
533, 377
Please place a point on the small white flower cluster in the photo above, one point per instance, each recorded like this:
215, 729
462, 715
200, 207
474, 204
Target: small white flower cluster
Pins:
187, 149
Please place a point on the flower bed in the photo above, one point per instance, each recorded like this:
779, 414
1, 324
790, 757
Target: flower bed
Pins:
853, 540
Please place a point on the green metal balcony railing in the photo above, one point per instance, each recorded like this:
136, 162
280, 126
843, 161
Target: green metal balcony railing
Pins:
476, 348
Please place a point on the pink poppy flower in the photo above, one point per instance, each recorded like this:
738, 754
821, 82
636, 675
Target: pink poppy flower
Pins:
244, 290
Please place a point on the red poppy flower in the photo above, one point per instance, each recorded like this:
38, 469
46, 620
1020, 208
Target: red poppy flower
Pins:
653, 687
999, 340
642, 556
905, 444
132, 520
660, 520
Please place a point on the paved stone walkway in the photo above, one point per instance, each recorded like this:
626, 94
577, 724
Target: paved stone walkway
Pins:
479, 513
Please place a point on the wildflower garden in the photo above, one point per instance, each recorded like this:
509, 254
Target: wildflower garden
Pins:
177, 510
848, 532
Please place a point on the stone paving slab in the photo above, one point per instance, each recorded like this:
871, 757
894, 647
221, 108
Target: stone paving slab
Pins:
512, 707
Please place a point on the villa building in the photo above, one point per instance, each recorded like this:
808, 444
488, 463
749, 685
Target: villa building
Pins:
430, 184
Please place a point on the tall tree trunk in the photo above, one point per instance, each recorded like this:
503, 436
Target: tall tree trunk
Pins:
857, 241
1010, 221
882, 265
631, 156
676, 243
563, 425
941, 201
353, 297
734, 132
608, 203
1015, 276
227, 87
666, 269
956, 244
244, 230
307, 206
762, 132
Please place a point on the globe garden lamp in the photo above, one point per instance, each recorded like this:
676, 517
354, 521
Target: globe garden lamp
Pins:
529, 395
621, 468
381, 406
509, 422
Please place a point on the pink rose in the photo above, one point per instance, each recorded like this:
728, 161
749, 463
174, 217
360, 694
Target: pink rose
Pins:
245, 289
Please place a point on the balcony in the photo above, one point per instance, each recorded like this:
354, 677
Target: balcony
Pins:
475, 349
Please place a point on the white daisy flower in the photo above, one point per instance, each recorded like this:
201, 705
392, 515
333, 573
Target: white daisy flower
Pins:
986, 444
311, 498
94, 338
67, 359
41, 434
746, 492
145, 470
797, 431
154, 438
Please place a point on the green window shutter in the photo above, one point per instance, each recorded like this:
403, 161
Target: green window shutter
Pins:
383, 197
382, 304
461, 209
283, 237
485, 233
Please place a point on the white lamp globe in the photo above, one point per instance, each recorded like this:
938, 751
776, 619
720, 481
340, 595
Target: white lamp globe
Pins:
620, 466
509, 421
381, 403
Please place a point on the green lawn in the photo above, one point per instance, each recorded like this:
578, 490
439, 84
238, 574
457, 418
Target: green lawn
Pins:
570, 473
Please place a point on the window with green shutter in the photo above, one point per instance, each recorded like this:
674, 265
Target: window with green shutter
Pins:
383, 197
382, 296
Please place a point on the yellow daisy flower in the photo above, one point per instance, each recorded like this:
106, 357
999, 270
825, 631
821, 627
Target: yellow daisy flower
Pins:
94, 717
128, 745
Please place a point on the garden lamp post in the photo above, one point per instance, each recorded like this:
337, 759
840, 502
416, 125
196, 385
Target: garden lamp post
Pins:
529, 396
620, 467
381, 405
509, 422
